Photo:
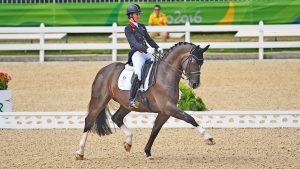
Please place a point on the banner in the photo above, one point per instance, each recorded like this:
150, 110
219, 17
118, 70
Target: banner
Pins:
197, 13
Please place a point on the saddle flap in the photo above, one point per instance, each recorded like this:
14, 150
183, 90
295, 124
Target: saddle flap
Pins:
128, 67
124, 81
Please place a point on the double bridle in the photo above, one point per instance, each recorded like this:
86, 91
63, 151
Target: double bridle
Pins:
187, 72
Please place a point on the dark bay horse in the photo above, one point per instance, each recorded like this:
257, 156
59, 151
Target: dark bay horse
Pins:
181, 59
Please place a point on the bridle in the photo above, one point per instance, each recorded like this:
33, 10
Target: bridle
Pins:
190, 58
187, 72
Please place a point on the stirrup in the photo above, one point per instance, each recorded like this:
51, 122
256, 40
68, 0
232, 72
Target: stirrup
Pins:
133, 104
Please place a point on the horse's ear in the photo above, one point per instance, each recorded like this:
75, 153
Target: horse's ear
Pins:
196, 49
205, 49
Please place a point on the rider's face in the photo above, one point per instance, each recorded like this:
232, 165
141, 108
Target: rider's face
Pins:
136, 16
157, 10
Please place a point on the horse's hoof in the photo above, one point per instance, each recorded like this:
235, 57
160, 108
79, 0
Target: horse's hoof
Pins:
150, 158
127, 146
210, 141
79, 156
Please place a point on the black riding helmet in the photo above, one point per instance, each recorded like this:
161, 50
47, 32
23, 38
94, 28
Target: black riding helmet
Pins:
133, 8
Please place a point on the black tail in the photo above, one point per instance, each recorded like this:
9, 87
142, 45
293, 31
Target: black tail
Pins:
101, 125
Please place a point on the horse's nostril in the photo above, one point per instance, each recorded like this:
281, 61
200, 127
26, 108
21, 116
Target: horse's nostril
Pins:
195, 85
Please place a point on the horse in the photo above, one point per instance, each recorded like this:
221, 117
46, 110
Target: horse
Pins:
182, 59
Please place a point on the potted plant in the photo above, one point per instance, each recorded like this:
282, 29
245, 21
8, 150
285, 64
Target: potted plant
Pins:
188, 99
5, 93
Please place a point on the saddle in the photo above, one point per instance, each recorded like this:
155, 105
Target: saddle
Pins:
125, 78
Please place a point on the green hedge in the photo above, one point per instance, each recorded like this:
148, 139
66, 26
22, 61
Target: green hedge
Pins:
188, 100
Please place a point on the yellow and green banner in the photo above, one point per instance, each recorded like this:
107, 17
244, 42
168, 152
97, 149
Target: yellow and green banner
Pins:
197, 13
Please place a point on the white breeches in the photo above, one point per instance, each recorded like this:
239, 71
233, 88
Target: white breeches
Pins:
138, 60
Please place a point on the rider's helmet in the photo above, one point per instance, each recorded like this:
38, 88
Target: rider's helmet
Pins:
133, 8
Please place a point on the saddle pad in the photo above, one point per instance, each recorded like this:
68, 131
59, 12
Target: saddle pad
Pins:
124, 81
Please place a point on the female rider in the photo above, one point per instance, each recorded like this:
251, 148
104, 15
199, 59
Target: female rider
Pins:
137, 36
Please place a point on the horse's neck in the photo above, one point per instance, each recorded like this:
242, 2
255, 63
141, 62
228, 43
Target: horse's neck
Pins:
172, 68
175, 57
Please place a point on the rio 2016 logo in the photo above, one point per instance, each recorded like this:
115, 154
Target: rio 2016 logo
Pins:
179, 18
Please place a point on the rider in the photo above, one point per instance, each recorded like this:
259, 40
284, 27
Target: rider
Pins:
137, 36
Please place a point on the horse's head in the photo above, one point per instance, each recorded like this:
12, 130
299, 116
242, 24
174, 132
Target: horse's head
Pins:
191, 65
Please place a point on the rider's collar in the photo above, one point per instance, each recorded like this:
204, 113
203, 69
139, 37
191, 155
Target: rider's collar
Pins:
133, 24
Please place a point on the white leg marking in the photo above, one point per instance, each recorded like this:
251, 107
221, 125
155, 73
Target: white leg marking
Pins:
204, 133
82, 143
127, 133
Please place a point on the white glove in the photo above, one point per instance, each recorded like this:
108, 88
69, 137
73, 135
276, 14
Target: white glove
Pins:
160, 50
150, 50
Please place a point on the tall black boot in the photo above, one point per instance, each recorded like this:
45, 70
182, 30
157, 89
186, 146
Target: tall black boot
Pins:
133, 91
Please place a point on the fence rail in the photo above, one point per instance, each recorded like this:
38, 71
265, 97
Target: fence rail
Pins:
208, 119
114, 29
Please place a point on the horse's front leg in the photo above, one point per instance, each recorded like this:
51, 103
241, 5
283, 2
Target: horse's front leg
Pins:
174, 111
159, 122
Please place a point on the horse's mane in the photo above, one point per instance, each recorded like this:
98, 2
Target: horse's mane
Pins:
175, 46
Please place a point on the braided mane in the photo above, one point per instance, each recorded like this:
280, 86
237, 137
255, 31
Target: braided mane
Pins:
177, 45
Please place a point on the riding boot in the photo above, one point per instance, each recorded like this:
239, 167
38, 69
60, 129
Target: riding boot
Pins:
133, 91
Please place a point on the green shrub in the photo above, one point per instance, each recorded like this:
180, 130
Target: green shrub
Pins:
188, 99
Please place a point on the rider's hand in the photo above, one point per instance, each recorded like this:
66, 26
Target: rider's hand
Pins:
150, 50
160, 50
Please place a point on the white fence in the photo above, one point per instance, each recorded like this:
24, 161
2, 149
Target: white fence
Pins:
208, 119
114, 45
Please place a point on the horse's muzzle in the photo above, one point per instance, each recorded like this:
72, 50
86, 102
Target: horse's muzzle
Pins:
194, 85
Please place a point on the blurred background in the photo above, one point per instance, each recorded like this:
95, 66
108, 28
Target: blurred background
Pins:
54, 13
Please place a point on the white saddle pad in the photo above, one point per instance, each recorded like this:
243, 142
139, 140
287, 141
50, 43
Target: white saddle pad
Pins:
124, 81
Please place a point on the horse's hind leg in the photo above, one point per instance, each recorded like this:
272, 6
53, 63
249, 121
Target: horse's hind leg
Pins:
97, 107
79, 153
118, 119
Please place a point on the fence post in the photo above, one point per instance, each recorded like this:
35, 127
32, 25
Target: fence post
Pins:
187, 32
261, 41
42, 42
114, 42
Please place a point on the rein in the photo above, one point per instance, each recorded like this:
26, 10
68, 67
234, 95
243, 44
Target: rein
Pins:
181, 72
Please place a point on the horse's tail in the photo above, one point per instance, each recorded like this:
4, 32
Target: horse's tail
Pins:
97, 118
101, 125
